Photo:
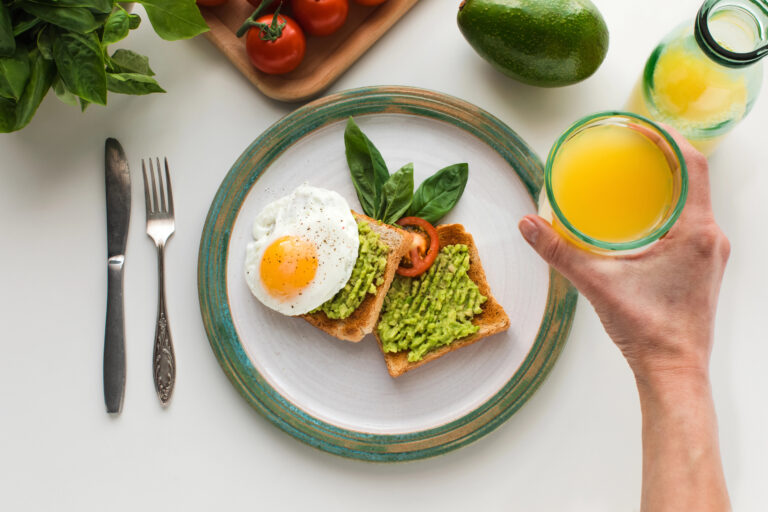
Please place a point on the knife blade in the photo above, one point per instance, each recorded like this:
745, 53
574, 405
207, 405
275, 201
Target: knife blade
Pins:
118, 184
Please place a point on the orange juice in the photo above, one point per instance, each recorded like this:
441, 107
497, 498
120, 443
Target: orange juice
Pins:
704, 77
693, 93
612, 183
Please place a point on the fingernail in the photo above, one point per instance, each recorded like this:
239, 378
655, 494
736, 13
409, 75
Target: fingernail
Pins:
529, 230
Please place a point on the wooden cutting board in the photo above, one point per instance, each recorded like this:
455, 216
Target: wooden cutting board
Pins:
326, 58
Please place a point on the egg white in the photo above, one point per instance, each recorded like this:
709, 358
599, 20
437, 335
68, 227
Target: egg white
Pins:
319, 216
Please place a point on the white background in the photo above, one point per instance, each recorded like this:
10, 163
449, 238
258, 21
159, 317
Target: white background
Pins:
574, 446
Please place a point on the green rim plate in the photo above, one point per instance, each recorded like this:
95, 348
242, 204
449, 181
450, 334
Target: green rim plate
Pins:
214, 301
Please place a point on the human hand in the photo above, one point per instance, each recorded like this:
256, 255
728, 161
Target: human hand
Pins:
657, 306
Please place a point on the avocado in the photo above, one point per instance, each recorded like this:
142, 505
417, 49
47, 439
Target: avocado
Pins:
432, 310
549, 43
367, 275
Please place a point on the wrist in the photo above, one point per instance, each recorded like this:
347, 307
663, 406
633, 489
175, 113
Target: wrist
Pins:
668, 358
660, 382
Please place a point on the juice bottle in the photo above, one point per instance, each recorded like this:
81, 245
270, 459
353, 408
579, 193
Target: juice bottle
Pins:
704, 77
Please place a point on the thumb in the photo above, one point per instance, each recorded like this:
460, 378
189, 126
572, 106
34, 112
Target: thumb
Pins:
565, 257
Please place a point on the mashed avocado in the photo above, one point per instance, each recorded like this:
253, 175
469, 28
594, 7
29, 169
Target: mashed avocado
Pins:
432, 310
367, 275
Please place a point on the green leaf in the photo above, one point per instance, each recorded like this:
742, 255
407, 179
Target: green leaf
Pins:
40, 80
64, 94
76, 19
97, 6
175, 19
398, 194
439, 193
45, 42
14, 74
83, 104
24, 22
132, 83
126, 61
367, 168
7, 41
80, 62
134, 20
116, 27
7, 115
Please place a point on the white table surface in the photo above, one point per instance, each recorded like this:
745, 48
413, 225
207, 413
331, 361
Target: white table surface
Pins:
574, 446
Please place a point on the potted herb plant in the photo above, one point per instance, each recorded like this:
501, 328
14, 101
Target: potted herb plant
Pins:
63, 45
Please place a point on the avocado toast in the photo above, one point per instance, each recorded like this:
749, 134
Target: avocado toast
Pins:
361, 321
488, 316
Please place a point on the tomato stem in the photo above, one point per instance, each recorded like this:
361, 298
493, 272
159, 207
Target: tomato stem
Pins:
267, 32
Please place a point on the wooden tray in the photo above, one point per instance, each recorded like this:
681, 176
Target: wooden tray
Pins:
326, 58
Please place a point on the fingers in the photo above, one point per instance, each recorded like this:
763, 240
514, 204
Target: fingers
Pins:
569, 260
698, 200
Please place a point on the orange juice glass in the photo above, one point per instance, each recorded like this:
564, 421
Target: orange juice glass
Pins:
615, 182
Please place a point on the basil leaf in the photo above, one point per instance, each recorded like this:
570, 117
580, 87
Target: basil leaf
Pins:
76, 19
41, 76
175, 19
132, 83
134, 20
97, 6
367, 168
80, 63
439, 193
45, 42
64, 94
126, 61
398, 194
7, 41
7, 115
14, 74
83, 104
24, 22
116, 27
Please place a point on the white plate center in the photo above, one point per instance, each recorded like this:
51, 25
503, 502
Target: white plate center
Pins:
347, 384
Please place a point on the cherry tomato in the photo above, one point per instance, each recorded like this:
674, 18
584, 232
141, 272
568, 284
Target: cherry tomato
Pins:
420, 256
211, 3
281, 55
370, 2
320, 17
269, 8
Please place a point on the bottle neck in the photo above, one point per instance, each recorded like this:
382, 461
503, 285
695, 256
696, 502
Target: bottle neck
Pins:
733, 33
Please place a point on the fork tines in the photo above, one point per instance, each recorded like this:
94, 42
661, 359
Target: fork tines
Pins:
154, 206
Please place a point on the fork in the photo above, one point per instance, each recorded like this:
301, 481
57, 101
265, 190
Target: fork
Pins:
160, 227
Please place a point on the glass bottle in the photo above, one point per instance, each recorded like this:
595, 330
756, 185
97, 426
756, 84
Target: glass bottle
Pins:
704, 77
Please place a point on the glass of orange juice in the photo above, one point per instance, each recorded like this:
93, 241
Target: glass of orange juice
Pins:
615, 182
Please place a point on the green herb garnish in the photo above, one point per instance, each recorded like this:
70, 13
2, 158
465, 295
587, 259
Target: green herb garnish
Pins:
389, 198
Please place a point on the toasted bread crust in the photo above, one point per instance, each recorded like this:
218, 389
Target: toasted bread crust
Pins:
492, 320
364, 319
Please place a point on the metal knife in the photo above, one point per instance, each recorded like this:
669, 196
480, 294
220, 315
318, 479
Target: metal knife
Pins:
118, 181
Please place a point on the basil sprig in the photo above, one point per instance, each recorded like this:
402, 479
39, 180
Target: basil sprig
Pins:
389, 198
438, 194
63, 45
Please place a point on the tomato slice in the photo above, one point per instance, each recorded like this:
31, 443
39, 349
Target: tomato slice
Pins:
422, 255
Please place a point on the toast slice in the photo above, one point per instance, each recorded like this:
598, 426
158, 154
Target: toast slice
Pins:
364, 319
492, 320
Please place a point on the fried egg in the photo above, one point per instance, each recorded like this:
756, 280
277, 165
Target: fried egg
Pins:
304, 249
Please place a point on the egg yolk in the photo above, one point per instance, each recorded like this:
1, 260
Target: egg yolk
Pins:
288, 266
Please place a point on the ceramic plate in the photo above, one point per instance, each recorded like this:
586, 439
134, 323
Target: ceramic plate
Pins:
336, 395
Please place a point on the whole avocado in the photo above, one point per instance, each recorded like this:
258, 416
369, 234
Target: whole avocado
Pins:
548, 43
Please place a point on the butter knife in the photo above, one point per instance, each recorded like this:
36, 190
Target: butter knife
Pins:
118, 181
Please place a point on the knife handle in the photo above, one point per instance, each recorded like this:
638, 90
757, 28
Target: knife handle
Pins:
114, 338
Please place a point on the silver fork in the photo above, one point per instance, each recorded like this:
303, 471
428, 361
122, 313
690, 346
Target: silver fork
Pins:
160, 227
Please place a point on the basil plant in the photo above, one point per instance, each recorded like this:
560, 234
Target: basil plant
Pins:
64, 45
